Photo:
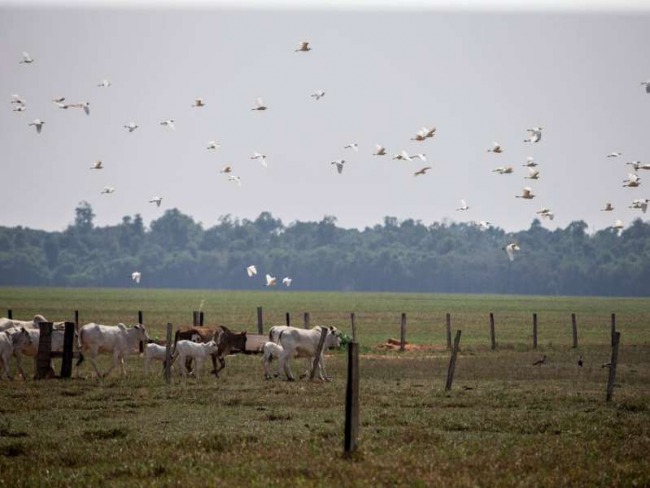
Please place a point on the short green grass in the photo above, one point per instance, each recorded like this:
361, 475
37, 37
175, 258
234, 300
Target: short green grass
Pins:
505, 422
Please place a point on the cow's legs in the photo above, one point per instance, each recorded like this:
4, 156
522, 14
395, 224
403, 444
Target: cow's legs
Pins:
19, 365
5, 368
123, 364
284, 360
198, 363
92, 358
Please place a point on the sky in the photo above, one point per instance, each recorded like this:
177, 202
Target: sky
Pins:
477, 71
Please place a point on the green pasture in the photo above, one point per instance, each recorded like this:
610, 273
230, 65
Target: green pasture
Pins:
504, 423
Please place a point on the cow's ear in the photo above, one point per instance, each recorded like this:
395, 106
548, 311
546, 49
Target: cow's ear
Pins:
244, 333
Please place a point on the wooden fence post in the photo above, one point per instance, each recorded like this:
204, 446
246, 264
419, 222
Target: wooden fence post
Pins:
448, 328
534, 331
493, 341
353, 320
140, 317
287, 318
402, 333
10, 314
201, 318
68, 346
260, 321
319, 350
195, 318
452, 362
613, 327
574, 329
351, 435
306, 320
168, 355
612, 366
76, 320
44, 349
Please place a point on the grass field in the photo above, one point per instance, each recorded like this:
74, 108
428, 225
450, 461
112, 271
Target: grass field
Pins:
505, 422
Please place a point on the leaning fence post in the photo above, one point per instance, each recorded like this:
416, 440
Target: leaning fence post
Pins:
613, 327
452, 362
574, 328
534, 331
353, 319
352, 401
448, 328
402, 333
493, 341
319, 352
612, 366
306, 320
287, 318
68, 346
168, 355
44, 349
260, 321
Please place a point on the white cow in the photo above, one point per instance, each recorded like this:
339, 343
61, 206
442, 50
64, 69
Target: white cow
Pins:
270, 351
11, 340
31, 348
196, 350
303, 343
6, 324
118, 340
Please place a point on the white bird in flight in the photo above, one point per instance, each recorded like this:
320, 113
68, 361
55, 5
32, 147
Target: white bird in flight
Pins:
527, 193
421, 156
213, 145
198, 102
236, 179
614, 155
643, 83
402, 156
251, 270
260, 157
38, 124
608, 207
484, 224
104, 84
18, 100
287, 281
303, 47
27, 59
511, 249
380, 150
353, 145
641, 204
618, 225
317, 95
463, 206
503, 170
546, 213
530, 163
157, 200
422, 171
131, 126
533, 174
226, 169
633, 180
135, 276
169, 123
339, 165
637, 165
270, 280
534, 134
259, 105
107, 190
496, 148
97, 165
20, 108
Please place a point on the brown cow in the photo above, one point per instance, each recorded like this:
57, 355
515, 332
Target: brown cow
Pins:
228, 342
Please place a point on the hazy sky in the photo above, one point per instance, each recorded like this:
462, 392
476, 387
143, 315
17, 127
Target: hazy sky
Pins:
481, 74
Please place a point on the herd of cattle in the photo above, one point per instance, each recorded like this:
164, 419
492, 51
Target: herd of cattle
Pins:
191, 346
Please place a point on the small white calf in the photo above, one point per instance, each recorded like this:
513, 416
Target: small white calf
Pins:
303, 343
118, 340
198, 351
11, 340
153, 352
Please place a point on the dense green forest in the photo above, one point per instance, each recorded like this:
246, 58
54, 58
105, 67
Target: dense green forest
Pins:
176, 252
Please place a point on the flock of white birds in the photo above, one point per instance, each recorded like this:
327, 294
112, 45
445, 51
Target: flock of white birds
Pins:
534, 136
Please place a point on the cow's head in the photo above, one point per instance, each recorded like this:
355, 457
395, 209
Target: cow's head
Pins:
333, 338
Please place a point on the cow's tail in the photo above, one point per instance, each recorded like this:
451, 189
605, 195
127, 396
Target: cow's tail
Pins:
79, 343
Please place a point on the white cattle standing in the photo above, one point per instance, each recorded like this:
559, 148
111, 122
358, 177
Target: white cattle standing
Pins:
198, 351
10, 341
119, 340
6, 324
297, 342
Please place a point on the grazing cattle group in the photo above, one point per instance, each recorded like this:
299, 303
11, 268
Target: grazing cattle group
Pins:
190, 348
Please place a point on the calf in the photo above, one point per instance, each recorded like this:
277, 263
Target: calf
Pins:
11, 340
118, 340
198, 351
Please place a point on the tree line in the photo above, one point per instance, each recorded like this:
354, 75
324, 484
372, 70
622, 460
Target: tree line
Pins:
400, 256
